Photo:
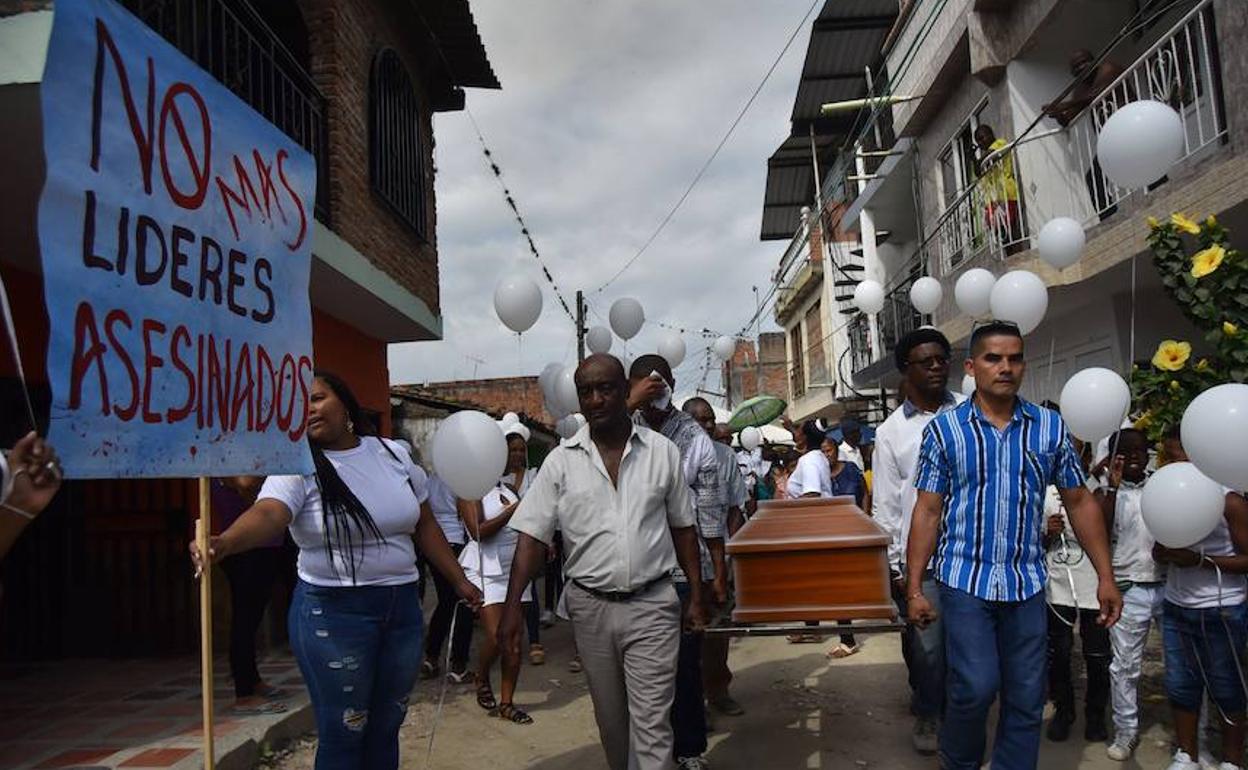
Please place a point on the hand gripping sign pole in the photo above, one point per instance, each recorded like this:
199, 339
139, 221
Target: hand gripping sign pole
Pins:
203, 531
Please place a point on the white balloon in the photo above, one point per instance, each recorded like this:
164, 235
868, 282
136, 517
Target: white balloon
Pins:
926, 294
598, 339
1020, 296
518, 301
556, 411
626, 317
750, 439
546, 381
1139, 143
509, 418
869, 296
672, 348
1094, 402
1181, 505
1061, 242
581, 422
1215, 434
725, 347
469, 453
565, 391
567, 426
973, 292
968, 385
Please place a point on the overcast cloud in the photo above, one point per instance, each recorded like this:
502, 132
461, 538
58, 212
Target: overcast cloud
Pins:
606, 112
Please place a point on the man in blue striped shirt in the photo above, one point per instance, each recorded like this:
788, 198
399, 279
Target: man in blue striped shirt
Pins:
983, 470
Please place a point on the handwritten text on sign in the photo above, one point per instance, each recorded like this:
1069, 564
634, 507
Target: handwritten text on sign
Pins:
175, 229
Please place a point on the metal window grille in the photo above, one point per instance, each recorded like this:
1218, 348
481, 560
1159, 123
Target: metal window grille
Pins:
396, 149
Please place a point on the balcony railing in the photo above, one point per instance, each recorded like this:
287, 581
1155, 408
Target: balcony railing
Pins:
229, 40
1181, 70
989, 217
861, 352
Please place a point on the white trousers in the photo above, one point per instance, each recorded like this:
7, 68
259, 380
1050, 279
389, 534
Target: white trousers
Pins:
1141, 609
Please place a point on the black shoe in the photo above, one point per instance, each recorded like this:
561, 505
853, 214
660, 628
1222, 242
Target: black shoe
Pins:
1094, 731
1059, 727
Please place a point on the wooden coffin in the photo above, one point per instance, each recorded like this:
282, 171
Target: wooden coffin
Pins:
810, 559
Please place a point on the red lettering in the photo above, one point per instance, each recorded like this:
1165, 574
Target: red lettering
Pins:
243, 394
304, 387
240, 196
84, 357
142, 138
180, 413
264, 371
264, 173
110, 320
303, 217
199, 170
283, 420
218, 390
150, 363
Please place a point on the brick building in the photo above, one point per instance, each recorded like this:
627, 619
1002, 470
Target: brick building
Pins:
356, 83
756, 370
498, 396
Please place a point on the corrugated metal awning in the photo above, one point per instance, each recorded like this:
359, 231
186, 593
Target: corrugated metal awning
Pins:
845, 39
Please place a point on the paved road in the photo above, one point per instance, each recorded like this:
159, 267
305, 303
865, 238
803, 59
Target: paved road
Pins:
803, 712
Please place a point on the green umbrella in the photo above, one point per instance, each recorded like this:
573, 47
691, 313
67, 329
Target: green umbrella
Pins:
760, 410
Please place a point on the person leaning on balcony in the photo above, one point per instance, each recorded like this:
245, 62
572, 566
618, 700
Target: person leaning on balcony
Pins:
999, 185
1092, 81
922, 357
982, 471
355, 620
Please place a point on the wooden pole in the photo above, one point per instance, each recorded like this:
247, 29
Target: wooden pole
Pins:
203, 530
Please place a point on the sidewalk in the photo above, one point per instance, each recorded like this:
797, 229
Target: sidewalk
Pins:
135, 714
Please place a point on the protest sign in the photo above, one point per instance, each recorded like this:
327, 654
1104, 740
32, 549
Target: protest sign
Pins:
175, 229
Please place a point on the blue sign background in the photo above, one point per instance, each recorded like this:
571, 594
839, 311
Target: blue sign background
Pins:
175, 227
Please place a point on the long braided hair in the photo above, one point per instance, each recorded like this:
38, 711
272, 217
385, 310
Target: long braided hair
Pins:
341, 511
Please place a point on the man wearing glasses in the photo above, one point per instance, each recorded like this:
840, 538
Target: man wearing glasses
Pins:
982, 473
922, 357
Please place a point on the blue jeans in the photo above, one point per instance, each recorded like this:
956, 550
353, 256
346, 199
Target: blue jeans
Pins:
1204, 645
688, 707
924, 652
991, 648
359, 652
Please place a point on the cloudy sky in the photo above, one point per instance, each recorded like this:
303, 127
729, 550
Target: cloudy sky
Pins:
606, 113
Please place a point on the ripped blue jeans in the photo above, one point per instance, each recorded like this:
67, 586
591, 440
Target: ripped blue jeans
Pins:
359, 651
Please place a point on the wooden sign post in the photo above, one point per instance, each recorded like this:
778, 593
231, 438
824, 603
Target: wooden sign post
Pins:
203, 531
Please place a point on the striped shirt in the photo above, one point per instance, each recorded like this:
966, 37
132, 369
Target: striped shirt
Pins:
994, 482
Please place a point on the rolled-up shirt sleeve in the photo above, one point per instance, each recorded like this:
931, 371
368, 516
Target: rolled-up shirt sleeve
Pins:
538, 513
932, 474
679, 501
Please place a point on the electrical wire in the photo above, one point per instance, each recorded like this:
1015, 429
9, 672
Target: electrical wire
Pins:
715, 153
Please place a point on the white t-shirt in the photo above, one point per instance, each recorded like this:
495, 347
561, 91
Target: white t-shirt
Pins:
1198, 587
812, 474
380, 481
1072, 578
851, 454
442, 503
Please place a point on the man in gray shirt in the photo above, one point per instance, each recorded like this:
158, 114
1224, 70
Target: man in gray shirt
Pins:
617, 493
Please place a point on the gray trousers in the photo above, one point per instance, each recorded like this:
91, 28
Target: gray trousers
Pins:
629, 652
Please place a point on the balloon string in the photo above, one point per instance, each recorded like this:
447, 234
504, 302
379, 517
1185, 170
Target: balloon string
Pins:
11, 328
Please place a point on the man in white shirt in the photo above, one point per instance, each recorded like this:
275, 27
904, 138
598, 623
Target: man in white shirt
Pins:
922, 357
617, 494
850, 448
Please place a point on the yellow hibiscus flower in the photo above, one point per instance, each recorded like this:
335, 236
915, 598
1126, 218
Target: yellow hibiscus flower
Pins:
1185, 224
1229, 329
1207, 260
1143, 421
1153, 224
1171, 355
1211, 221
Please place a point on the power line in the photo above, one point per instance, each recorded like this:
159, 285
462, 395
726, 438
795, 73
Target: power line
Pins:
702, 171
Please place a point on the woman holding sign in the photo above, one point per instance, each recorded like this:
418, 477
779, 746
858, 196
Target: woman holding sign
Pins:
355, 621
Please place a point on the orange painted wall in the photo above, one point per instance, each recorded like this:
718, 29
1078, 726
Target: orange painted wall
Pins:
355, 357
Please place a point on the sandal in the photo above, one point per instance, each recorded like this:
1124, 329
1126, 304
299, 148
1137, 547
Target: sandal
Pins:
509, 712
537, 654
843, 650
485, 695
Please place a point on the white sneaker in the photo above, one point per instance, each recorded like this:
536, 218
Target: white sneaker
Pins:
1122, 747
1183, 762
1228, 766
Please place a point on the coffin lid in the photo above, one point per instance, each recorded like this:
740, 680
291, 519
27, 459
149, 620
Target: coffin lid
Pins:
805, 524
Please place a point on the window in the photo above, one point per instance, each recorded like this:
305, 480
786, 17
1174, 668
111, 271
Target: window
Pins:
817, 362
396, 149
797, 375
